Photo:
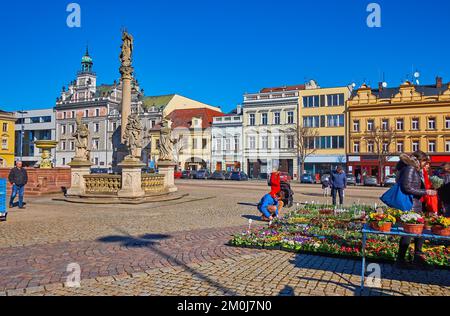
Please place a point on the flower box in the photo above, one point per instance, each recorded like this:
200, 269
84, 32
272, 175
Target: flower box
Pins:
384, 227
441, 230
416, 229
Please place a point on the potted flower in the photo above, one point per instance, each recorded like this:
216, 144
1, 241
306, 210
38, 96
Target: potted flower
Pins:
441, 226
381, 222
395, 213
412, 223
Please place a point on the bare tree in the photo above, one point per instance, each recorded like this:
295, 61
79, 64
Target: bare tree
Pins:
306, 144
382, 139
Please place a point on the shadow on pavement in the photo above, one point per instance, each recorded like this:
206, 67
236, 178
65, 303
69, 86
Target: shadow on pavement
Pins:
353, 267
150, 241
255, 218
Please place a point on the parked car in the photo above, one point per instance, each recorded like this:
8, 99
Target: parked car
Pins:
186, 174
390, 181
370, 181
285, 177
351, 180
202, 174
239, 176
178, 175
99, 170
307, 178
218, 175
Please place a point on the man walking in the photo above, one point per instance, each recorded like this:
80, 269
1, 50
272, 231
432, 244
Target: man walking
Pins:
18, 178
338, 182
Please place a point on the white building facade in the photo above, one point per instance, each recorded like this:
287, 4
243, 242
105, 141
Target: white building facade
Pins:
270, 120
31, 126
227, 142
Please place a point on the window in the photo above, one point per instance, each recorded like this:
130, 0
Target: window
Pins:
114, 126
370, 125
277, 142
447, 122
63, 129
5, 143
370, 147
356, 147
264, 118
63, 145
35, 120
432, 146
95, 144
335, 120
415, 124
447, 146
73, 114
86, 113
5, 127
219, 145
385, 124
252, 142
400, 146
64, 115
251, 120
96, 127
290, 141
312, 101
228, 144
356, 126
72, 128
96, 161
204, 143
264, 142
194, 143
335, 99
415, 146
311, 121
290, 118
432, 123
72, 146
64, 161
46, 119
276, 119
385, 147
331, 142
97, 112
400, 125
236, 144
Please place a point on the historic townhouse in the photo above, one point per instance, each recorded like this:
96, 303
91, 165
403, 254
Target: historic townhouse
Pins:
7, 123
323, 110
270, 120
418, 117
227, 140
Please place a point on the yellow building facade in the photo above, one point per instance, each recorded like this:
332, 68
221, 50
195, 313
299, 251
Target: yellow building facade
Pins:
323, 109
7, 146
417, 116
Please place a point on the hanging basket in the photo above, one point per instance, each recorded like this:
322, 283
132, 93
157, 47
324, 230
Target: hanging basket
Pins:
440, 230
386, 227
416, 229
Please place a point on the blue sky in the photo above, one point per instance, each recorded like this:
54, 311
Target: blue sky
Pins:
216, 50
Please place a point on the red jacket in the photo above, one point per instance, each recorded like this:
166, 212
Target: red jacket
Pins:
431, 202
275, 183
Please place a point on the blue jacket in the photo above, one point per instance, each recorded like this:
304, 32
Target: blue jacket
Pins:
338, 180
267, 201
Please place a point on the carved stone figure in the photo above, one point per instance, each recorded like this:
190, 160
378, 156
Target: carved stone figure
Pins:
133, 137
127, 49
165, 142
81, 135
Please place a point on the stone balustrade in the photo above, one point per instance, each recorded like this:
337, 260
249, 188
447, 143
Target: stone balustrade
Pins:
152, 183
103, 183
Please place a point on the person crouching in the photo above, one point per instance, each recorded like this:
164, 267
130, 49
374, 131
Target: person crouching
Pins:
270, 206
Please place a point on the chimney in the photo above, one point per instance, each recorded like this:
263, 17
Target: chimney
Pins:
438, 82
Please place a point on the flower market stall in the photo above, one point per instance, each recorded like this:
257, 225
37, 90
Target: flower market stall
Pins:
322, 230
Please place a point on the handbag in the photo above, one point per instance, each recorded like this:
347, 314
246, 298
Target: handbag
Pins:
397, 199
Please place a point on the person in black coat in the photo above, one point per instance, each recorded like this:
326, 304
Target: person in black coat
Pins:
18, 178
444, 191
410, 180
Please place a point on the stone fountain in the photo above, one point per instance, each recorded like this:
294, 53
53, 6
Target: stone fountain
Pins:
46, 147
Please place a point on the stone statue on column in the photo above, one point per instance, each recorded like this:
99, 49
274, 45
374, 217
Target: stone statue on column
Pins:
133, 137
165, 142
82, 151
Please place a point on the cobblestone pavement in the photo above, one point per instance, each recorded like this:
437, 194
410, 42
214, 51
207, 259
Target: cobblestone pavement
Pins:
176, 248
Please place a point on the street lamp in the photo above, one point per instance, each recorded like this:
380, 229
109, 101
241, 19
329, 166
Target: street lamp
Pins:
22, 132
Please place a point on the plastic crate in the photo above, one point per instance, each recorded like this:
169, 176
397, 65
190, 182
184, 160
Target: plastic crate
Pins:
3, 197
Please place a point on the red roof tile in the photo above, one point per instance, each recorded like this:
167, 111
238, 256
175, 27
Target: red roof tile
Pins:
285, 88
183, 118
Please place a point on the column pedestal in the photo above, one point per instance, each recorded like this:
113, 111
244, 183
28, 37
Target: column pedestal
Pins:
79, 169
167, 168
131, 179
